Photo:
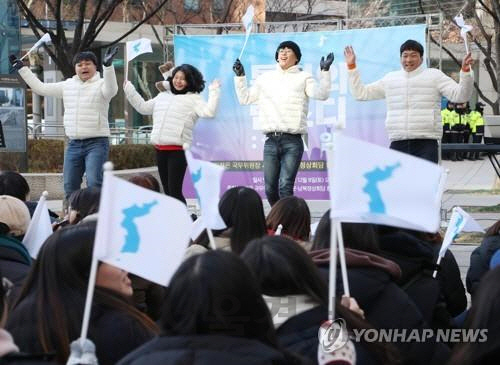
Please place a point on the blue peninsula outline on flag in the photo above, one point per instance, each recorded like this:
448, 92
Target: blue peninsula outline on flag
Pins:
373, 178
132, 238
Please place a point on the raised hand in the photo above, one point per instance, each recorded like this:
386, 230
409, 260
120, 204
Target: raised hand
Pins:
467, 61
108, 56
349, 55
215, 84
167, 66
15, 62
324, 65
238, 68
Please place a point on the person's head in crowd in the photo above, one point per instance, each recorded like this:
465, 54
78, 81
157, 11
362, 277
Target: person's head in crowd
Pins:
14, 184
293, 214
480, 107
215, 293
358, 236
14, 217
54, 293
83, 203
411, 53
243, 213
450, 105
85, 64
146, 180
186, 78
493, 230
284, 268
483, 317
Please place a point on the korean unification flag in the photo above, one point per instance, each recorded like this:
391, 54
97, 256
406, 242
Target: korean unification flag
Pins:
141, 231
207, 178
39, 229
138, 47
373, 184
460, 221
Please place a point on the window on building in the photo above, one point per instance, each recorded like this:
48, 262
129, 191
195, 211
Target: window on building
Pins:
192, 5
219, 5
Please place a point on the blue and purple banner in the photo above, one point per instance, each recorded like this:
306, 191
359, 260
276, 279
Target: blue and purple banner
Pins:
232, 139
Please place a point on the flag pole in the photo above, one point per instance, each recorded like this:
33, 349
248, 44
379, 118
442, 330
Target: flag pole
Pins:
108, 169
333, 270
343, 266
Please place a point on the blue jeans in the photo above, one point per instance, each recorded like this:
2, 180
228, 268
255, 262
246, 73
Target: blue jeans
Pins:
282, 156
84, 156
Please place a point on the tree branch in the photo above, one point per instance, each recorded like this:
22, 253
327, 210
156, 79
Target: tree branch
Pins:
77, 37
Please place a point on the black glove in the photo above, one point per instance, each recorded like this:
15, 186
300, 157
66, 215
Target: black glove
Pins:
108, 56
324, 65
16, 63
238, 68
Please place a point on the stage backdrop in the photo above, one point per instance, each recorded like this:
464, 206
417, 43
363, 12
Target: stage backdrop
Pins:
233, 139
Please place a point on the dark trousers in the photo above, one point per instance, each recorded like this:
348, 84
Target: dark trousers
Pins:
172, 168
423, 148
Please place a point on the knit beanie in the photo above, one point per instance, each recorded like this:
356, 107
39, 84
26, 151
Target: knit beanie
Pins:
291, 45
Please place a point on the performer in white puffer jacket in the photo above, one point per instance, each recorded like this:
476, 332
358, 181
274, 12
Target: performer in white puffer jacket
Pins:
175, 113
86, 97
413, 97
283, 99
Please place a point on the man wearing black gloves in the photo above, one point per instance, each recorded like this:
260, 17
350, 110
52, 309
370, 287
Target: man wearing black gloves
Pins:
283, 98
86, 98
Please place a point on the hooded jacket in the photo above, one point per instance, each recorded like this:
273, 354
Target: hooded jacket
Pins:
372, 283
283, 97
86, 103
413, 99
174, 115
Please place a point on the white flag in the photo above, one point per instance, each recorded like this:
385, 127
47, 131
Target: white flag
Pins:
206, 178
138, 47
141, 231
247, 21
44, 40
39, 229
373, 184
464, 29
459, 221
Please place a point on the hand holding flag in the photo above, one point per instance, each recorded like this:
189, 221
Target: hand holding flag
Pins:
40, 227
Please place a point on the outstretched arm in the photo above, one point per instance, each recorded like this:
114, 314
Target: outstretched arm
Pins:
245, 95
39, 87
136, 100
207, 110
359, 90
461, 92
110, 85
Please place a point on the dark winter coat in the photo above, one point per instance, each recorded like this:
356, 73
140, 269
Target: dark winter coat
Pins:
205, 350
114, 332
15, 262
480, 262
372, 281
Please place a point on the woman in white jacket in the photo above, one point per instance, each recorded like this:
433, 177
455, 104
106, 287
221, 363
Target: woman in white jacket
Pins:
175, 113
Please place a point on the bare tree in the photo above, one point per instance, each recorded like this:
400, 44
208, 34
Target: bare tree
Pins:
485, 17
90, 18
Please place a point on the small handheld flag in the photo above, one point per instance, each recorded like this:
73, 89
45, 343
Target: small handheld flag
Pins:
247, 21
44, 40
464, 29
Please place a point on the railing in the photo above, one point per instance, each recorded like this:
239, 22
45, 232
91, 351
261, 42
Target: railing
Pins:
140, 135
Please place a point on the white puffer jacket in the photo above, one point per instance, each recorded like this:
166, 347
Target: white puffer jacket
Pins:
86, 103
413, 99
174, 115
283, 97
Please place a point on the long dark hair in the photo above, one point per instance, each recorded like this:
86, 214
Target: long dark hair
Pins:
14, 184
293, 214
194, 79
483, 315
58, 283
359, 236
283, 268
243, 213
216, 293
85, 201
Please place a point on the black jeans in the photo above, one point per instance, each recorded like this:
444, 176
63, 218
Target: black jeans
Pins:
172, 167
423, 148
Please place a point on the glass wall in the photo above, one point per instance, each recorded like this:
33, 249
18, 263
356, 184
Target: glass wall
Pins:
10, 40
